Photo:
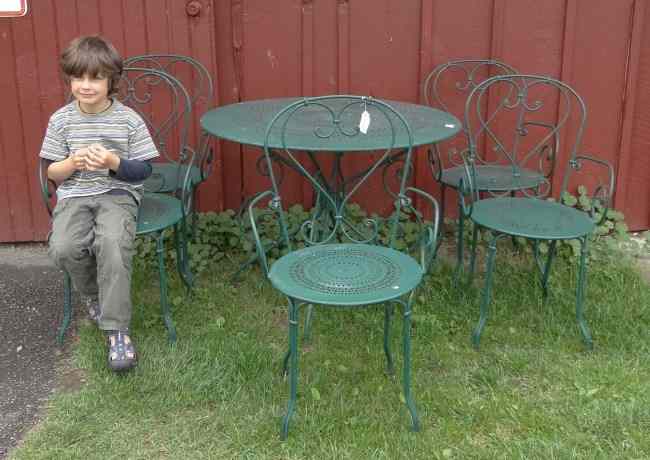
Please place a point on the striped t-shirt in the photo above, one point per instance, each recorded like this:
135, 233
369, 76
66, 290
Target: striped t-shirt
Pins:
119, 129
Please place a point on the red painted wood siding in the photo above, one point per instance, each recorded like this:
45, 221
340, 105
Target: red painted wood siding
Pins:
262, 48
31, 88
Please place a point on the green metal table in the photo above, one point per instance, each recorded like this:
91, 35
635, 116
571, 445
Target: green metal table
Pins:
246, 123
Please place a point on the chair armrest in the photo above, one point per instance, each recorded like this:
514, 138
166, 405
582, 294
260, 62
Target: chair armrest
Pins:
184, 177
45, 184
205, 156
429, 238
467, 190
603, 193
435, 164
259, 245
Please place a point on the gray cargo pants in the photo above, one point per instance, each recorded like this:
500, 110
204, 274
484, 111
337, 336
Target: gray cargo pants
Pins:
92, 239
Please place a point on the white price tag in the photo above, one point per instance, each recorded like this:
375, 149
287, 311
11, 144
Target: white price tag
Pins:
364, 122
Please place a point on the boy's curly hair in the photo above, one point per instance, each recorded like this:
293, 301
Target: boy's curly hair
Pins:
95, 56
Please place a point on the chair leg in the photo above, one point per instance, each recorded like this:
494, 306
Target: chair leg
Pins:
193, 213
67, 307
308, 317
515, 243
406, 377
388, 313
459, 243
547, 269
164, 301
472, 263
285, 362
487, 291
183, 258
582, 279
293, 371
441, 226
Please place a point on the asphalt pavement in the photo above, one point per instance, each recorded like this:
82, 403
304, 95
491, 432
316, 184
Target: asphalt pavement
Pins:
31, 304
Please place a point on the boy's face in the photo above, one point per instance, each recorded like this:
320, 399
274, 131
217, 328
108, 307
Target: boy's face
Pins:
92, 93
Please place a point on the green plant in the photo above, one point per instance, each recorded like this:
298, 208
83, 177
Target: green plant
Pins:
220, 234
611, 232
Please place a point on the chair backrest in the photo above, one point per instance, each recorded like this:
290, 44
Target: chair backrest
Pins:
198, 82
321, 122
537, 117
164, 105
446, 88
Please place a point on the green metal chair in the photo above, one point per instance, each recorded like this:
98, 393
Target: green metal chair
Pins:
164, 105
559, 114
447, 87
335, 259
198, 82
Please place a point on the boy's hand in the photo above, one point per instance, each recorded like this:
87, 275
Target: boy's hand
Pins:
100, 158
78, 159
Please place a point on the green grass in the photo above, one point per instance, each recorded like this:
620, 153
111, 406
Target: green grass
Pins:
532, 391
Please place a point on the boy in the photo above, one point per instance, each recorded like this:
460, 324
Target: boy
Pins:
98, 152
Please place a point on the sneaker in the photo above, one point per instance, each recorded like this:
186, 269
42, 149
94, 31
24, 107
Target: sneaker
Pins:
121, 351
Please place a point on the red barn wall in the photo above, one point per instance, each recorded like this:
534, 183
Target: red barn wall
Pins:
385, 48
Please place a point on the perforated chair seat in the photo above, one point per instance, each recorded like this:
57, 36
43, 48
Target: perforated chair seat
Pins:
345, 274
494, 178
157, 212
532, 218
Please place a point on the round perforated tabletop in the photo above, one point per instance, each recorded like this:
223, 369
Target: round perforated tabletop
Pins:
246, 123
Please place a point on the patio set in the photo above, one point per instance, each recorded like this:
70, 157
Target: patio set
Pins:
502, 140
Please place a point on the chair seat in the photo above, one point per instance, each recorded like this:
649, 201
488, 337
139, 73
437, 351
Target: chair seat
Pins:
532, 218
494, 178
157, 212
345, 274
165, 175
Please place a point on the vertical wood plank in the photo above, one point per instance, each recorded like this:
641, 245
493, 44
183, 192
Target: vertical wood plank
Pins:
324, 48
7, 154
602, 86
307, 49
307, 71
425, 50
625, 160
134, 27
27, 83
112, 24
532, 43
635, 181
271, 47
67, 24
343, 46
202, 43
88, 17
443, 20
12, 128
227, 26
